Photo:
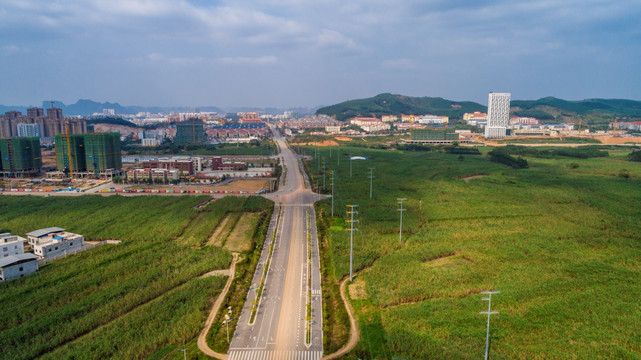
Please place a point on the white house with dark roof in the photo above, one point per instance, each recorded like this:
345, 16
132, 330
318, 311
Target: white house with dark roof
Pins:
15, 266
54, 242
11, 245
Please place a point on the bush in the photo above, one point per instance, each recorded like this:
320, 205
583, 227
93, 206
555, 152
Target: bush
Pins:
624, 173
634, 156
499, 156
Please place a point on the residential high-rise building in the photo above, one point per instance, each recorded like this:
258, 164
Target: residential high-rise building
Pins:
102, 151
20, 154
77, 152
89, 152
191, 131
29, 130
50, 125
498, 115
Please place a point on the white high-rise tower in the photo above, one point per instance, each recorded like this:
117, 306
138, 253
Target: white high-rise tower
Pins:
498, 115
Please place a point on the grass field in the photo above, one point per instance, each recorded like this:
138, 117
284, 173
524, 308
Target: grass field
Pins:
560, 240
116, 301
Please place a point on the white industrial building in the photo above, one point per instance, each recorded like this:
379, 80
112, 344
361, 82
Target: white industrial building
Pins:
498, 115
11, 244
54, 242
15, 266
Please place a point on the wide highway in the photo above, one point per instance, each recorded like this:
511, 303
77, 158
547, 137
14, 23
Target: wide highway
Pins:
279, 328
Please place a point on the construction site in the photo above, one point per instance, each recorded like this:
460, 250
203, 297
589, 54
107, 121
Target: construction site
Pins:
84, 155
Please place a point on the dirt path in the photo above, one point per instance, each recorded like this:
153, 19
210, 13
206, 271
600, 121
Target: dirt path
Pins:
202, 338
354, 333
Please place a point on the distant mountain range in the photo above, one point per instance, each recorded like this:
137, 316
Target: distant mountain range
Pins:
548, 108
89, 107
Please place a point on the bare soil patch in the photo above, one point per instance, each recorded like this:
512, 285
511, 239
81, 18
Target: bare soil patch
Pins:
468, 178
448, 262
357, 289
239, 239
221, 232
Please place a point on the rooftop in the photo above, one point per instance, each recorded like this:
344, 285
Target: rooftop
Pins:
45, 231
14, 259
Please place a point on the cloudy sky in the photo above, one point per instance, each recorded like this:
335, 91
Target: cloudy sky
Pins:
287, 53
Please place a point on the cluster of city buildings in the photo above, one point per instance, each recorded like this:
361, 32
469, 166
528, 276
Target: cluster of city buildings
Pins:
630, 125
36, 124
313, 122
193, 131
206, 169
48, 243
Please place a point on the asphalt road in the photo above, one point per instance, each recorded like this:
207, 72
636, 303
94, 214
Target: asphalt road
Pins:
279, 328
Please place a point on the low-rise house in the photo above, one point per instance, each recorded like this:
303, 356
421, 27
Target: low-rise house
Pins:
54, 241
11, 244
15, 266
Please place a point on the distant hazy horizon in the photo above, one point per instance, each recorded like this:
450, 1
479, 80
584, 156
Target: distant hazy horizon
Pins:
287, 53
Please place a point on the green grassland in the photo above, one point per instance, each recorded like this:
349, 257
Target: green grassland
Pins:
559, 239
116, 301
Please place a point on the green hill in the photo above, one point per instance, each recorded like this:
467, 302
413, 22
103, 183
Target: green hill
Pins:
556, 108
548, 108
391, 104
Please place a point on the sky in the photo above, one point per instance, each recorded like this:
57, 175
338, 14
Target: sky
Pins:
289, 53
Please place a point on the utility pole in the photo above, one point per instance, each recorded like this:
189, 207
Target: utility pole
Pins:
318, 158
351, 230
324, 187
338, 156
400, 229
350, 165
333, 173
184, 353
371, 177
489, 313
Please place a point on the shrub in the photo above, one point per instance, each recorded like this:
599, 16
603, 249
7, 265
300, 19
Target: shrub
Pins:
634, 156
499, 156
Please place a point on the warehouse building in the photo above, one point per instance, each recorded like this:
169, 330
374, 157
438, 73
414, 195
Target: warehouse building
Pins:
15, 266
446, 134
